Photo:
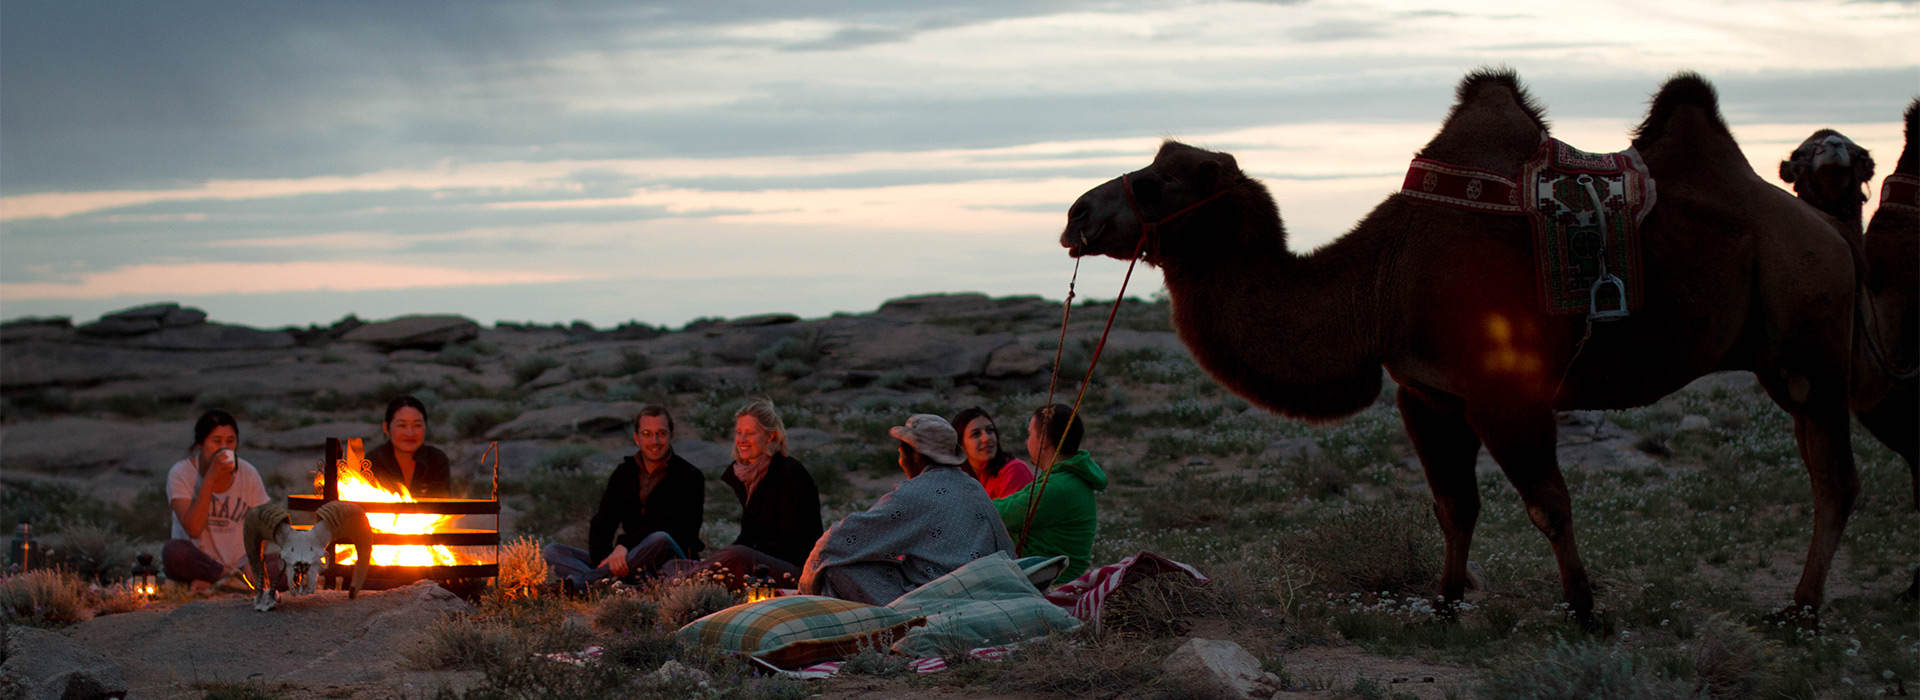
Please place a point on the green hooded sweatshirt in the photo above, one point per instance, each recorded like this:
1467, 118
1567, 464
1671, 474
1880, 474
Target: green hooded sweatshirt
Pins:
1064, 523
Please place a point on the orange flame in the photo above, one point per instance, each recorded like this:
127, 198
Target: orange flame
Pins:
356, 487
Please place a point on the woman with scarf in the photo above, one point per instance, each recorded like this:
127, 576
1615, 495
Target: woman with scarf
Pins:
780, 506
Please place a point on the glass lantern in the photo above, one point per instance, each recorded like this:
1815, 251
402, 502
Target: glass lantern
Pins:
146, 576
760, 585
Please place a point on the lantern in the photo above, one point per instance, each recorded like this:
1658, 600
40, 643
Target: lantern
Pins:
146, 576
25, 551
760, 585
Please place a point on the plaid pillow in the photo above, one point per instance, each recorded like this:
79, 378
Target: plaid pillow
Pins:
801, 630
988, 602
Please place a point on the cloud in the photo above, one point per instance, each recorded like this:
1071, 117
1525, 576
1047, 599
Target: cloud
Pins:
176, 279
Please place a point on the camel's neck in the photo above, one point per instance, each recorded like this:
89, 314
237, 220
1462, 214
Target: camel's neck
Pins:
1300, 335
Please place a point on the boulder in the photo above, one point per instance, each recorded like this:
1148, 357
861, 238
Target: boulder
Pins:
709, 457
681, 380
761, 320
43, 665
313, 436
71, 443
1694, 422
119, 327
211, 336
811, 440
152, 312
1221, 664
554, 376
183, 316
568, 420
935, 305
426, 332
1016, 360
916, 350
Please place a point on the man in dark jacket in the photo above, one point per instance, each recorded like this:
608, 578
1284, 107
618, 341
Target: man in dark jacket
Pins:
649, 514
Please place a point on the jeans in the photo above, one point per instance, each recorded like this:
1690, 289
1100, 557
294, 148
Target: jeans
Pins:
642, 560
183, 561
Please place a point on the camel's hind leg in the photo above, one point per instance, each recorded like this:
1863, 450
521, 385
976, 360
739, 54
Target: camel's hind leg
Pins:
1820, 426
1447, 448
1521, 439
1895, 422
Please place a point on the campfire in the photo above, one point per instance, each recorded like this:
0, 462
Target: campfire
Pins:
413, 538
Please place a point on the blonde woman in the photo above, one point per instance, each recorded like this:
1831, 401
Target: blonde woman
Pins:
780, 506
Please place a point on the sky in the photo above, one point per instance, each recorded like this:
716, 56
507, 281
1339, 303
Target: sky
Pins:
291, 163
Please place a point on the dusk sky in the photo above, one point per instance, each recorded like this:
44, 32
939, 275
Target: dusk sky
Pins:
290, 163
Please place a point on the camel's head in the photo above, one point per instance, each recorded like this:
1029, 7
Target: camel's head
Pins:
1830, 172
1165, 194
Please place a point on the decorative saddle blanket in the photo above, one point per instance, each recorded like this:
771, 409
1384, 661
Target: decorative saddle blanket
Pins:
1901, 192
1580, 204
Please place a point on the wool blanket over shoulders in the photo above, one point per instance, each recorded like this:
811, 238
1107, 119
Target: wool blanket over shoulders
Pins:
926, 527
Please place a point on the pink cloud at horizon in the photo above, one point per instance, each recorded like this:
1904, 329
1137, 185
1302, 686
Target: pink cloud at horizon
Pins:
181, 279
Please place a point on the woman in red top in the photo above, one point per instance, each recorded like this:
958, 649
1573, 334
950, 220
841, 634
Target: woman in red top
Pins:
1002, 474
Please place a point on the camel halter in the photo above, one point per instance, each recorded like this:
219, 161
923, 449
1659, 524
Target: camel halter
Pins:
1146, 231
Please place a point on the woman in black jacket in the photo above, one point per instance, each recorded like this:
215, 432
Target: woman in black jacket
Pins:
406, 460
780, 518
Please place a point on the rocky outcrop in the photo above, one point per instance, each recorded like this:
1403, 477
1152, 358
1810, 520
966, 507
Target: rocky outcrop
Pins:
568, 420
424, 332
44, 665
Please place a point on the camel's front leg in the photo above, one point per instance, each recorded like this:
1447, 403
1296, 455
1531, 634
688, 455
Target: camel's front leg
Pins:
1521, 438
1817, 402
1447, 448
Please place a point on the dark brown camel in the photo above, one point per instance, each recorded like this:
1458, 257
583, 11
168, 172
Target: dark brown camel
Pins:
1830, 172
1886, 394
1738, 276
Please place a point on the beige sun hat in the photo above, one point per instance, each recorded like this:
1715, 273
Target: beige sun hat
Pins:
932, 436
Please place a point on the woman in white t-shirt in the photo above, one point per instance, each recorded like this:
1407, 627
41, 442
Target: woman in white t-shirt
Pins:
211, 491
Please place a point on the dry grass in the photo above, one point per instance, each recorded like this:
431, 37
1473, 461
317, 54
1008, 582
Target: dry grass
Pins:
522, 570
685, 600
1401, 552
626, 613
44, 598
1164, 606
1730, 660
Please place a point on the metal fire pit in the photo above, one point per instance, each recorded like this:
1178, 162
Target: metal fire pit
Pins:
335, 575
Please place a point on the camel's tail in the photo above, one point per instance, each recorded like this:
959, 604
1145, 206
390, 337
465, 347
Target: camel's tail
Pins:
349, 521
262, 524
1685, 89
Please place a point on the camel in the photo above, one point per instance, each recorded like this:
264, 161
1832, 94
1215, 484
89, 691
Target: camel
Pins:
1830, 172
1886, 391
1738, 275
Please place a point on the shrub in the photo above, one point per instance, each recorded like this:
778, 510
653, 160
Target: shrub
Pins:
552, 500
685, 600
467, 641
626, 613
473, 422
566, 457
1162, 606
117, 599
1401, 553
93, 552
43, 598
1584, 670
462, 355
1730, 660
631, 362
522, 570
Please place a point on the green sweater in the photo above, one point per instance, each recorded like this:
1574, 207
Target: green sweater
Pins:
1064, 523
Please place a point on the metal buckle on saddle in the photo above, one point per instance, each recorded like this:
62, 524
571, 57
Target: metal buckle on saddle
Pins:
1606, 279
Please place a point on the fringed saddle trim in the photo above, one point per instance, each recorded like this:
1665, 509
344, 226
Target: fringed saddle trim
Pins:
1901, 191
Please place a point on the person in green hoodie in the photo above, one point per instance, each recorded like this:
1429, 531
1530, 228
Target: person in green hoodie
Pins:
1064, 522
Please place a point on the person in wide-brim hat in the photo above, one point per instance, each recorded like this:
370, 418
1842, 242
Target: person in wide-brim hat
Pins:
938, 520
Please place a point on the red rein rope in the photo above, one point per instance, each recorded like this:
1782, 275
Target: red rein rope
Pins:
1146, 231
